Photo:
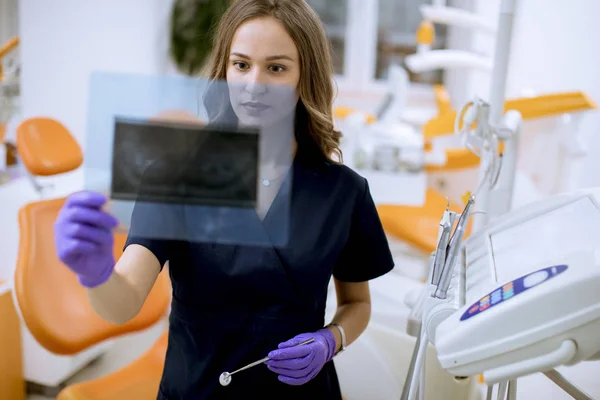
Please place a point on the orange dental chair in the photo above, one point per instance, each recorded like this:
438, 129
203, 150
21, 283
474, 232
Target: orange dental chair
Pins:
52, 303
418, 226
55, 308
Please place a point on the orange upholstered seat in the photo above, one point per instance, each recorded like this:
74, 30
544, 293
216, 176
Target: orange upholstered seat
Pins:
137, 381
53, 304
418, 225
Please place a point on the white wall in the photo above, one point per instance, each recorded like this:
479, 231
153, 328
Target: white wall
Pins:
569, 60
554, 49
63, 41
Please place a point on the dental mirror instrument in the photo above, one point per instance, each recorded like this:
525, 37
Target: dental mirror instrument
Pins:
225, 377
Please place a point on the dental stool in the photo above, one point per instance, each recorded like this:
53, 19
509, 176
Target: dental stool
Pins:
55, 309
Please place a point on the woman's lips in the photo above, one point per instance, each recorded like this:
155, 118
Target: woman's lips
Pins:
255, 107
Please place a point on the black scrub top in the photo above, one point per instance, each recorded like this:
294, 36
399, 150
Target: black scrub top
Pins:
233, 304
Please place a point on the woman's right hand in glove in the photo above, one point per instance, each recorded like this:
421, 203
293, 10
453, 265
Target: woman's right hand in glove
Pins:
83, 236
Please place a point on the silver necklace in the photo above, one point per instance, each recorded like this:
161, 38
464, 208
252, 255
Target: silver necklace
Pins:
266, 182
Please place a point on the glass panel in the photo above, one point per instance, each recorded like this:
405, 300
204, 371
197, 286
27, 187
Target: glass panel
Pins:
334, 15
398, 24
187, 159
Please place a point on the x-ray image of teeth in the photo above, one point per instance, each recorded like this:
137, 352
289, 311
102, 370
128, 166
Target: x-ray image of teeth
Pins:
224, 168
136, 147
176, 163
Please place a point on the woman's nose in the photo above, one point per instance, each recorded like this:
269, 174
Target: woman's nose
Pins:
256, 84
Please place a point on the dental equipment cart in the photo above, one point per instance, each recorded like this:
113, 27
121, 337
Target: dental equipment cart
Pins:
524, 296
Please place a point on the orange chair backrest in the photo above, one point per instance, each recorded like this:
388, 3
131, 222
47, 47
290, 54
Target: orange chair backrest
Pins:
529, 107
342, 112
53, 304
46, 147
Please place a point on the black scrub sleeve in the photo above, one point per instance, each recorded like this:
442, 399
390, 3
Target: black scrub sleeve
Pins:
152, 223
366, 255
159, 247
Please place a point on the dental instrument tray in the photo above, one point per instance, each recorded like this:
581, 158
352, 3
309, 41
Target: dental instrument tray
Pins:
531, 292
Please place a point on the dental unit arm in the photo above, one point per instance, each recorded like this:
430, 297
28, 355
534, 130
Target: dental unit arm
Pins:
427, 59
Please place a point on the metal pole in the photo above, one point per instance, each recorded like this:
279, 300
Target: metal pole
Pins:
490, 392
512, 390
497, 95
502, 386
411, 368
567, 386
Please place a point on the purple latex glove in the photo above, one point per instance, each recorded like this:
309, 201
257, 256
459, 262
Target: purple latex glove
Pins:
83, 238
298, 365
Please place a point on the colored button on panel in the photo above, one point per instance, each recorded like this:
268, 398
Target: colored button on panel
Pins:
484, 307
508, 286
474, 309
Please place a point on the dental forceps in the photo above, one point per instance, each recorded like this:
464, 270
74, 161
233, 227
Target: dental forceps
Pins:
225, 377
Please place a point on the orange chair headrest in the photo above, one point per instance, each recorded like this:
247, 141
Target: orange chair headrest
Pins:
46, 147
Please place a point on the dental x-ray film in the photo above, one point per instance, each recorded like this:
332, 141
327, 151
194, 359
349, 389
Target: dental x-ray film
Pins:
192, 164
192, 160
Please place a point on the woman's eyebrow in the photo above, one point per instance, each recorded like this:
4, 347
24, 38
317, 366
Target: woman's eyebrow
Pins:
270, 58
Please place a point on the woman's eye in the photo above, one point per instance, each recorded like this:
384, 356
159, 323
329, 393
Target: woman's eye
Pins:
240, 65
276, 68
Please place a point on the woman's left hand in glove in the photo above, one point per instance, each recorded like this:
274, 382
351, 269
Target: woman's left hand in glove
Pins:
297, 365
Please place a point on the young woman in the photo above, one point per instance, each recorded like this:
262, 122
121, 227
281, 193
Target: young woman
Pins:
234, 304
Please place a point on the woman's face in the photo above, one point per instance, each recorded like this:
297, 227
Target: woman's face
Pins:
263, 73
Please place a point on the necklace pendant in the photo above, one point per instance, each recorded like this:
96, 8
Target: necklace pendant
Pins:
266, 182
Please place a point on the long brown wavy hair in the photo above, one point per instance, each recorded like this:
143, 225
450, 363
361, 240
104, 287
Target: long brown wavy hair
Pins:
314, 112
